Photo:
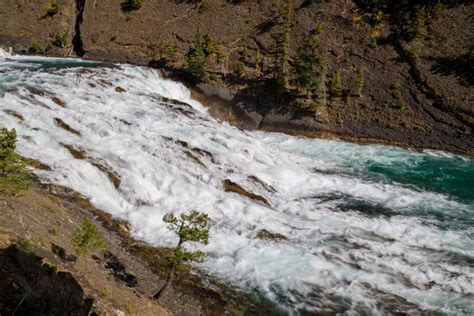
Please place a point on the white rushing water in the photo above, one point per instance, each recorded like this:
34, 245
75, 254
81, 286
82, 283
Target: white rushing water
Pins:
356, 241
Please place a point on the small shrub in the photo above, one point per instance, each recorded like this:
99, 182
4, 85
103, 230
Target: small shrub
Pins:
360, 82
52, 231
24, 245
135, 4
167, 51
336, 85
103, 293
127, 307
50, 268
35, 47
14, 177
86, 239
60, 39
52, 7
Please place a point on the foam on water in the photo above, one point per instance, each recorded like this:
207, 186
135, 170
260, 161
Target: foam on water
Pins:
360, 239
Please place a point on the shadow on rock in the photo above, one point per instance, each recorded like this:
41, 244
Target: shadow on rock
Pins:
30, 287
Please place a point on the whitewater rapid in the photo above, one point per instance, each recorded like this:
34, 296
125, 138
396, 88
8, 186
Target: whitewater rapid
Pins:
370, 229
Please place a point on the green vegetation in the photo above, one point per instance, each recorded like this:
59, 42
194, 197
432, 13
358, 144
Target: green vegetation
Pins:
24, 245
281, 45
52, 8
14, 177
60, 39
309, 66
360, 82
135, 4
128, 308
189, 228
50, 268
167, 51
103, 293
52, 231
86, 239
377, 29
336, 85
197, 57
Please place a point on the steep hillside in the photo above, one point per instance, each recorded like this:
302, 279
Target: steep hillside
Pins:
386, 78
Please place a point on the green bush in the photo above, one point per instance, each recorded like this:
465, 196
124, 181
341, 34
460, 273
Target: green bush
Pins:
60, 39
86, 239
336, 85
53, 7
135, 4
24, 245
167, 51
14, 177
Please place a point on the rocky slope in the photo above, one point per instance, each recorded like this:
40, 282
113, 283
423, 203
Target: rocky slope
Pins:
37, 258
417, 92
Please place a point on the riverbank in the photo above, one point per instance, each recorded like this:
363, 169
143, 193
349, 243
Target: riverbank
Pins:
122, 278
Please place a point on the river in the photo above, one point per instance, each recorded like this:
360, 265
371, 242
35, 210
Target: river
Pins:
370, 229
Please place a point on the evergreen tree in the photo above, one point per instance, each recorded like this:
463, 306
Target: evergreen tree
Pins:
189, 227
86, 239
308, 66
196, 58
281, 45
336, 85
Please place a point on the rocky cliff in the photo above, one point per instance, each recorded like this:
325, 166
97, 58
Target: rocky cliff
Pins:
416, 89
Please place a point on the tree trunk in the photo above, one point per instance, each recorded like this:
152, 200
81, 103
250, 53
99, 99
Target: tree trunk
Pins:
169, 280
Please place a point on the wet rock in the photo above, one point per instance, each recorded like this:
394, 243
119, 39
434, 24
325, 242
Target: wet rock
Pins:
65, 126
120, 89
112, 175
259, 182
230, 186
76, 153
29, 287
266, 235
15, 114
58, 101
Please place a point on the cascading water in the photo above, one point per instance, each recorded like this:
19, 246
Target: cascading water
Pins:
369, 229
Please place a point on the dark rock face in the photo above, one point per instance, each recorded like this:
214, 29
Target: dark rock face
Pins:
29, 287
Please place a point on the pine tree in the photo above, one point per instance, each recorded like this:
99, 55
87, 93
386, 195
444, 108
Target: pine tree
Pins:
86, 239
336, 85
196, 58
281, 45
308, 66
189, 227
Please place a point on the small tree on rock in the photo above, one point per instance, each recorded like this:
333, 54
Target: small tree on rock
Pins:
191, 227
86, 239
